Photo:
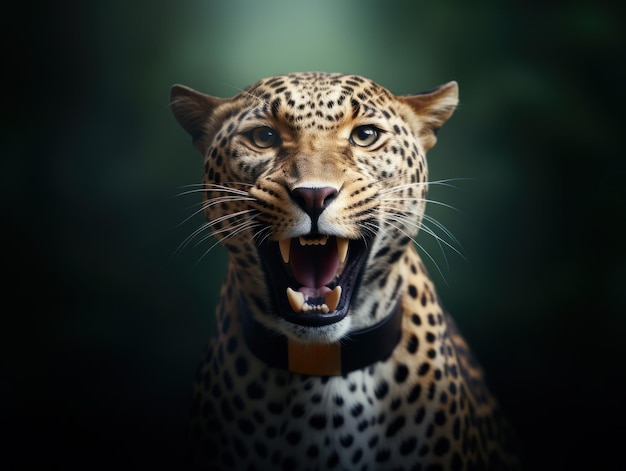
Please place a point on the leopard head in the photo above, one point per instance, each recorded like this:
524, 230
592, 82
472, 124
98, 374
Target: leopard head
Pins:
315, 184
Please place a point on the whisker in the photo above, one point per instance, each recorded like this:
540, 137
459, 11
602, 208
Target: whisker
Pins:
409, 222
213, 188
235, 229
406, 186
444, 229
429, 201
204, 205
430, 257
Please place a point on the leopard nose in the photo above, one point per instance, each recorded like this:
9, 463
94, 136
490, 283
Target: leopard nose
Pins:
313, 200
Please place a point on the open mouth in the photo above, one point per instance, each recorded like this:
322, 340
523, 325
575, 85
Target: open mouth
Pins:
313, 277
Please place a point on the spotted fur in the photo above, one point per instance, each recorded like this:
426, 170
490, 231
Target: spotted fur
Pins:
424, 407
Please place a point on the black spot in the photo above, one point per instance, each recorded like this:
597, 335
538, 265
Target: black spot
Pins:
442, 446
226, 324
401, 373
238, 402
346, 441
383, 455
395, 404
419, 415
289, 464
372, 442
313, 451
356, 457
318, 421
260, 449
395, 257
407, 446
240, 448
395, 426
231, 346
297, 411
457, 462
430, 337
294, 437
431, 319
456, 428
227, 459
227, 411
414, 393
255, 391
337, 420
241, 366
431, 391
356, 410
413, 291
381, 390
411, 345
275, 408
440, 417
423, 369
416, 319
316, 398
333, 460
246, 426
216, 391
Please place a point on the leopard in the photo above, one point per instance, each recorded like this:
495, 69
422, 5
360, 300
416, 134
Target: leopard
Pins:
331, 349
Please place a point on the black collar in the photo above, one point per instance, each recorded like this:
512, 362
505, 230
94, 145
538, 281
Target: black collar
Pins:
357, 351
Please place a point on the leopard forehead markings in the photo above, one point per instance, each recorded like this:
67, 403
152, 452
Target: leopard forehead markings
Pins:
315, 184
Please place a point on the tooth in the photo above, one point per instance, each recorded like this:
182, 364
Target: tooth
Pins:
342, 248
321, 241
331, 300
296, 299
284, 245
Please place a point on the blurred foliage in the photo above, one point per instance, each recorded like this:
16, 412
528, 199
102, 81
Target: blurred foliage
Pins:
111, 319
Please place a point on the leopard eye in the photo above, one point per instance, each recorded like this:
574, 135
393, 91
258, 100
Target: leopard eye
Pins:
364, 136
264, 137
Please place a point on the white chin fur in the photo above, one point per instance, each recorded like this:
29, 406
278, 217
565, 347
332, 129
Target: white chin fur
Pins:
323, 334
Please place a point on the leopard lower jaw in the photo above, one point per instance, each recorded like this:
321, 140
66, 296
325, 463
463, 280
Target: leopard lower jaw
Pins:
299, 301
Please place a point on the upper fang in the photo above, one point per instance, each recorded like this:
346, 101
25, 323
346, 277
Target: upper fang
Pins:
285, 246
342, 248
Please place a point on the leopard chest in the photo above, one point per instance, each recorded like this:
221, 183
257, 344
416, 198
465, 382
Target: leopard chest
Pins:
392, 412
271, 417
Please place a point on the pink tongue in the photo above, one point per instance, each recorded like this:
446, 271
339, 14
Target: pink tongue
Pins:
314, 266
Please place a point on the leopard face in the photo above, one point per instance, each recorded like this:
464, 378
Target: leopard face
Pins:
315, 184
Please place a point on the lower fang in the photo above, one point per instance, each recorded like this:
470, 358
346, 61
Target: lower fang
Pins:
331, 300
296, 299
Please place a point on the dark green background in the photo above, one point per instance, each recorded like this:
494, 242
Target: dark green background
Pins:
103, 328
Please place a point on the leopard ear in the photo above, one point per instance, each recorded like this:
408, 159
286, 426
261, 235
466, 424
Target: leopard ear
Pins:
194, 111
433, 108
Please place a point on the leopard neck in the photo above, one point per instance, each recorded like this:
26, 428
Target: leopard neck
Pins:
356, 351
